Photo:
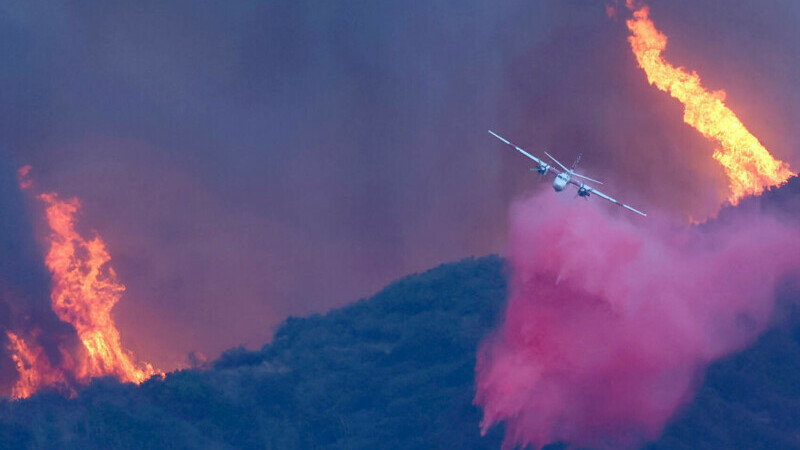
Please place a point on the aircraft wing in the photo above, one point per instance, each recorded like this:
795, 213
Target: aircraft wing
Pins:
537, 160
600, 194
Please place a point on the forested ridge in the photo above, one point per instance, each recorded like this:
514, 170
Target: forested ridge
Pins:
393, 371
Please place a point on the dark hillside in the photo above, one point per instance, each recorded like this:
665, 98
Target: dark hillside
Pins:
748, 401
393, 371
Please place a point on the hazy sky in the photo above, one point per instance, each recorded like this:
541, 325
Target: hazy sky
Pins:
249, 160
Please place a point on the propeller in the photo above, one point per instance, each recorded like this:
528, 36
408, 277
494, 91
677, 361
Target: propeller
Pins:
584, 192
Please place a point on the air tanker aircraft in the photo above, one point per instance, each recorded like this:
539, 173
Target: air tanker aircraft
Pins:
567, 176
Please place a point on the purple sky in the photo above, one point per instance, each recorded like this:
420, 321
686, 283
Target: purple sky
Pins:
245, 161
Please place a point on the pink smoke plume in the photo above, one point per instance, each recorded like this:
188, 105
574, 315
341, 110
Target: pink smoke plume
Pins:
610, 324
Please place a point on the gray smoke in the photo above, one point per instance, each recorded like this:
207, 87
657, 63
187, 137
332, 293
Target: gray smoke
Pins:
250, 160
24, 283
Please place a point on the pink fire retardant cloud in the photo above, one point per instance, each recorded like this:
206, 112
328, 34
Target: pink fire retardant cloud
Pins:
611, 323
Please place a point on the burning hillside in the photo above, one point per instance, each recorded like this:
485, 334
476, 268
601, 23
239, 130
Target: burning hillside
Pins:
84, 291
610, 326
749, 165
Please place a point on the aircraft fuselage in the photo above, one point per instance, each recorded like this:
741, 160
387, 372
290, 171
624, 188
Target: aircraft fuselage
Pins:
561, 181
564, 178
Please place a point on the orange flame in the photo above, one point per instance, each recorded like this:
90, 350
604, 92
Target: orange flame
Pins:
33, 366
22, 175
85, 289
749, 166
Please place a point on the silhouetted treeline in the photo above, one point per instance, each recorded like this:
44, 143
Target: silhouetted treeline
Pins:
395, 371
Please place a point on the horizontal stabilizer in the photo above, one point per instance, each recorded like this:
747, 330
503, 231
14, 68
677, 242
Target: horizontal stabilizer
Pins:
556, 161
586, 178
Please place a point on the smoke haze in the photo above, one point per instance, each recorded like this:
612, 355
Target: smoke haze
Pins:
249, 161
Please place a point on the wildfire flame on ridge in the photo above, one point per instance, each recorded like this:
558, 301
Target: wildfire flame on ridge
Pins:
33, 367
749, 165
85, 289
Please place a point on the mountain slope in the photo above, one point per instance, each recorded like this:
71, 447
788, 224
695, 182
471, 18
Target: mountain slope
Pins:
394, 371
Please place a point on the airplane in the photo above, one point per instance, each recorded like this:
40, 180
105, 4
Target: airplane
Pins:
567, 176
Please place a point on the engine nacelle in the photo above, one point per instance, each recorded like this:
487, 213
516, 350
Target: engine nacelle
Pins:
583, 191
542, 169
